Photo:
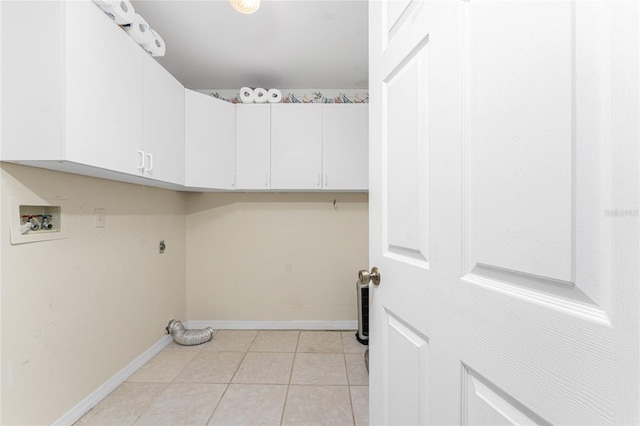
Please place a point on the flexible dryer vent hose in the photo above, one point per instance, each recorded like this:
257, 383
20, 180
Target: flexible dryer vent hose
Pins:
186, 337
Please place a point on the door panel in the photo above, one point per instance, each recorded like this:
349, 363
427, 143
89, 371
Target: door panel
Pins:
407, 194
395, 13
503, 212
546, 153
407, 392
522, 144
486, 404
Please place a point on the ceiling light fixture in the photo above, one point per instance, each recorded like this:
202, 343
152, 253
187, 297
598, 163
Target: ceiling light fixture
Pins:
245, 6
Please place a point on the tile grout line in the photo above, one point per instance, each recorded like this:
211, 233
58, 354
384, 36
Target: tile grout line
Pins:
228, 385
293, 363
246, 352
188, 363
167, 384
219, 401
144, 410
346, 367
346, 371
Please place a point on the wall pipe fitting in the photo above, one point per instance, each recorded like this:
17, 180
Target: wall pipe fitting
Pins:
35, 223
186, 337
46, 221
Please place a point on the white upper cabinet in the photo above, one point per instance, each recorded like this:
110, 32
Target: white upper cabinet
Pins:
345, 146
71, 92
103, 78
253, 147
302, 147
296, 146
162, 153
80, 96
210, 126
75, 97
31, 107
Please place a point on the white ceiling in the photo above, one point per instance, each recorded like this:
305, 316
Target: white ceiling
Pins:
311, 44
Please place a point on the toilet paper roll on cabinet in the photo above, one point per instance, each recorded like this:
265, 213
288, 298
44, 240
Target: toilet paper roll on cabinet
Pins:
156, 47
140, 31
260, 95
246, 95
274, 96
121, 11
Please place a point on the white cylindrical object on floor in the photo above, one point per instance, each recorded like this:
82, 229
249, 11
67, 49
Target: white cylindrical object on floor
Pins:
121, 11
246, 95
140, 31
156, 47
274, 96
260, 95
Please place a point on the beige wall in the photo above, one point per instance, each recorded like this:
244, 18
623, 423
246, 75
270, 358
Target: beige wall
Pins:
275, 257
76, 311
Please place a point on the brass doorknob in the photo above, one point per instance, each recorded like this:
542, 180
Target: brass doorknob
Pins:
364, 276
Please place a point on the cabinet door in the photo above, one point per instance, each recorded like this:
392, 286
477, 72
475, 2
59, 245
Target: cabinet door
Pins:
209, 142
345, 146
296, 146
31, 81
103, 90
253, 146
163, 118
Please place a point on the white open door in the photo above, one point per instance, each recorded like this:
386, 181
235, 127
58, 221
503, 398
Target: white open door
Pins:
504, 197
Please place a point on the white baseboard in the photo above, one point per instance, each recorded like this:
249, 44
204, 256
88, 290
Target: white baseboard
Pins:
274, 325
109, 386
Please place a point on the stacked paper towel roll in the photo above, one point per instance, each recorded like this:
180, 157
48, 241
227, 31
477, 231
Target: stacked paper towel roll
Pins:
156, 47
274, 96
259, 95
145, 36
140, 31
246, 95
123, 13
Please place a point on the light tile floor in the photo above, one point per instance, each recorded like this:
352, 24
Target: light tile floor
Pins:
246, 377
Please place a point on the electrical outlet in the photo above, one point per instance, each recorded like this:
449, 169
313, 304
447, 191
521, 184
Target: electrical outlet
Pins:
99, 218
